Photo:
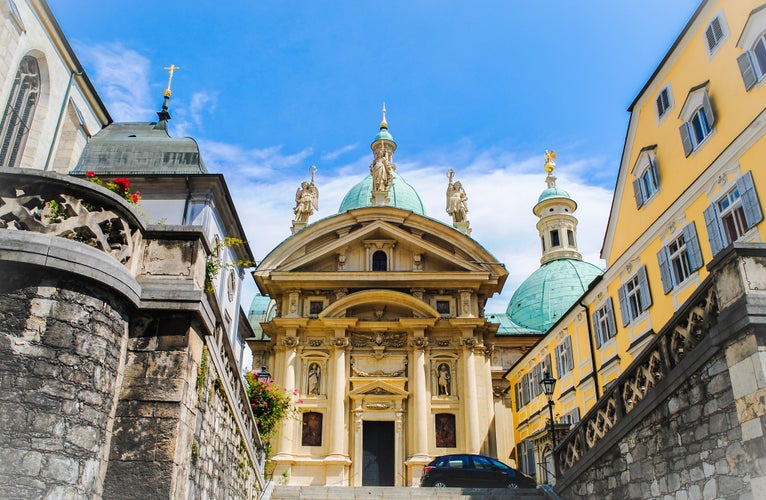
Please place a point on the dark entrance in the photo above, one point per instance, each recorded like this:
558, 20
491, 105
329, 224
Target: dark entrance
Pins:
378, 450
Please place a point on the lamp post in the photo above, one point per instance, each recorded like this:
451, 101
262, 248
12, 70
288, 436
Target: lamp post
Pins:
549, 383
263, 376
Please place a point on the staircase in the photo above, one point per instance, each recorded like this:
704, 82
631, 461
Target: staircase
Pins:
400, 493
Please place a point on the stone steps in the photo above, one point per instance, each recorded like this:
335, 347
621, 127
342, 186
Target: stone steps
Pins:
397, 493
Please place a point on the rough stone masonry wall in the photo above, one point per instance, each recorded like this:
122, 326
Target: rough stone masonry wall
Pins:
61, 342
220, 466
690, 446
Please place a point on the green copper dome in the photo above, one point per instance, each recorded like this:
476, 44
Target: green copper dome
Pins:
553, 192
401, 195
384, 134
544, 297
262, 309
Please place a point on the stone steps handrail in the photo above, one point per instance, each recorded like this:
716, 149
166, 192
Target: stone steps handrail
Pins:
672, 344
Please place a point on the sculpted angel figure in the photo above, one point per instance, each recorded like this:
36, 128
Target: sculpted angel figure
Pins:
306, 199
457, 201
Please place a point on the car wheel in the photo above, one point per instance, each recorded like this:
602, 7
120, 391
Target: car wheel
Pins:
439, 484
513, 485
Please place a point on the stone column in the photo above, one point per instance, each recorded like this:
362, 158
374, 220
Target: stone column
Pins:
338, 446
290, 343
471, 415
420, 418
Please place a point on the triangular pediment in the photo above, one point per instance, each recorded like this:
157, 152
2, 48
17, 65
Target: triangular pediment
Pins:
377, 388
322, 253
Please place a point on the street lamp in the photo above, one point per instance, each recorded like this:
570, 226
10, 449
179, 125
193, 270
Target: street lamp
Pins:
264, 376
549, 383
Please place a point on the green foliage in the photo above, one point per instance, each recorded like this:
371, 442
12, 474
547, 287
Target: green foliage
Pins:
271, 404
202, 370
195, 452
214, 264
56, 212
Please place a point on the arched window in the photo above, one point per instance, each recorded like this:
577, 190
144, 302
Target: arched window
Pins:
17, 118
379, 261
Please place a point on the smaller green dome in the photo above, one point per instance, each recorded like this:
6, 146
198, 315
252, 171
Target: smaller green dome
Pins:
544, 297
384, 135
262, 309
553, 192
401, 195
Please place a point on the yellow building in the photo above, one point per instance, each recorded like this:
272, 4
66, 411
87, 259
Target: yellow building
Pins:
688, 185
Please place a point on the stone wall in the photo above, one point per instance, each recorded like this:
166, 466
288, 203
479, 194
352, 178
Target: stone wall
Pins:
221, 467
688, 447
61, 345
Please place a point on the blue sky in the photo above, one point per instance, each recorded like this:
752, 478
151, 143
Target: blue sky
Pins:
271, 87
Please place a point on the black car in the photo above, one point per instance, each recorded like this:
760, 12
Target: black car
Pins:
473, 471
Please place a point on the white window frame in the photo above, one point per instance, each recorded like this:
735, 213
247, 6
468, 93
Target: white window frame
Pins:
738, 201
634, 296
666, 108
697, 109
604, 324
752, 34
647, 176
564, 357
680, 258
709, 34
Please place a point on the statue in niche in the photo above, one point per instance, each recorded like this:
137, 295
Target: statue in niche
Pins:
457, 201
314, 377
443, 378
306, 199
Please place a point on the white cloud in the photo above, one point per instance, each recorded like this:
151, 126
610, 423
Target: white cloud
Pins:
501, 187
121, 75
335, 154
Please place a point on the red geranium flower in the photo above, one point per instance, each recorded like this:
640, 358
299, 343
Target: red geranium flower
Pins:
134, 197
90, 174
122, 182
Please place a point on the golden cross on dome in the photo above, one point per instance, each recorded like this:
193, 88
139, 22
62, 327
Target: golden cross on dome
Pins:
170, 69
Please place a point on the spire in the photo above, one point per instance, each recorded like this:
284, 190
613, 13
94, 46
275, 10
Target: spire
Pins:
164, 114
383, 122
557, 225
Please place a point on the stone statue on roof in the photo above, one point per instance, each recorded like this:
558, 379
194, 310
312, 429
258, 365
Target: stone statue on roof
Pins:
382, 169
306, 201
457, 204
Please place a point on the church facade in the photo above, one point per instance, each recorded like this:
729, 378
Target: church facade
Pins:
379, 323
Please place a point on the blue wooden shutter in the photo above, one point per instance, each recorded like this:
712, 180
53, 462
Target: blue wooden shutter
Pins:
750, 204
714, 235
622, 295
637, 193
686, 138
745, 64
655, 172
667, 279
594, 317
708, 109
610, 318
568, 354
693, 247
643, 288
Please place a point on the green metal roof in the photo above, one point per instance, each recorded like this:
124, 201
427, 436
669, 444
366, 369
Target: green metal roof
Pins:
553, 192
140, 149
384, 134
549, 292
261, 309
401, 195
508, 327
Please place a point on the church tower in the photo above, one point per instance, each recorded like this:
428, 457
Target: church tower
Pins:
557, 225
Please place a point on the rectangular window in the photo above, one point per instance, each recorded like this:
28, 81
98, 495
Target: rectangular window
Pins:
570, 237
698, 124
564, 360
603, 322
442, 306
680, 258
729, 218
315, 307
634, 296
663, 101
714, 33
647, 181
526, 457
555, 240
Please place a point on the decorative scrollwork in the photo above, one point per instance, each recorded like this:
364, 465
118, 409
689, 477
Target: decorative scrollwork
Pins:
419, 342
69, 217
290, 341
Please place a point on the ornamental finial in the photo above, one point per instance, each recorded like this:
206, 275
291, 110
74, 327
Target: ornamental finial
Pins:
383, 122
549, 163
170, 69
